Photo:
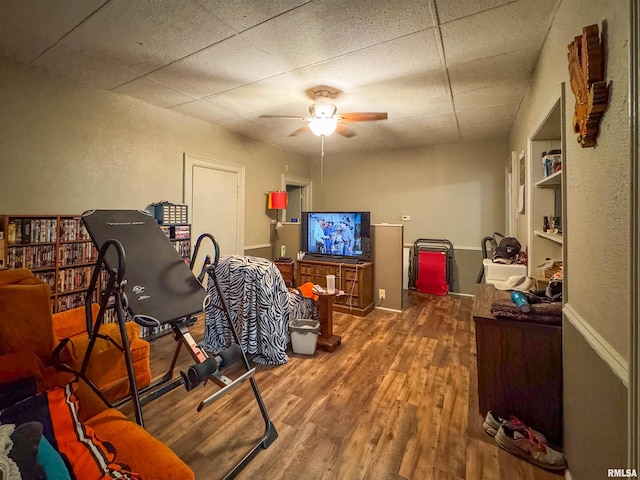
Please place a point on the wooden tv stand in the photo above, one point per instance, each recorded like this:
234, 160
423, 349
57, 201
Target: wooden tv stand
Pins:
355, 279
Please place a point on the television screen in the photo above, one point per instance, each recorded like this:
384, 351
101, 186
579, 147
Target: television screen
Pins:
337, 234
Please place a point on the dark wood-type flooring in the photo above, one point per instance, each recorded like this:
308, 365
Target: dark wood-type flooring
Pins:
397, 400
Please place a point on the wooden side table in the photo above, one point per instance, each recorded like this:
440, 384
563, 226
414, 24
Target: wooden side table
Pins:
326, 338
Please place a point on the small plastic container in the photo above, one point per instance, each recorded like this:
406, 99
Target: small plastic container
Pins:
550, 161
304, 335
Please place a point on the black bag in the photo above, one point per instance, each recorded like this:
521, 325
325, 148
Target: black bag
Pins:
507, 251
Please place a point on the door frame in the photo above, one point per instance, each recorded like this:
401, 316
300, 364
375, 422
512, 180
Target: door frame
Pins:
191, 161
307, 193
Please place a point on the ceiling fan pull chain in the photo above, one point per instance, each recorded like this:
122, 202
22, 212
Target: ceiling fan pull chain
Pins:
321, 159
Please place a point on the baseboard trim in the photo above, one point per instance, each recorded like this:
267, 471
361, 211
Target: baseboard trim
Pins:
610, 356
462, 294
388, 309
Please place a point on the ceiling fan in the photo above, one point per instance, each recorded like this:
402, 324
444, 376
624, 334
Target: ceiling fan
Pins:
324, 119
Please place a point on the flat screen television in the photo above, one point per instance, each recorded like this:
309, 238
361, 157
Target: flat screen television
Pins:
342, 236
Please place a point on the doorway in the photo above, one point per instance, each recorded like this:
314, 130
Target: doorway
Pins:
299, 194
214, 192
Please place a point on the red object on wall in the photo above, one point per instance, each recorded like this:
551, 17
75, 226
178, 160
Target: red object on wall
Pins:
277, 200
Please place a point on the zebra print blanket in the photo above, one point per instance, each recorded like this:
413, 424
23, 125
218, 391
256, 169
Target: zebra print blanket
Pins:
260, 306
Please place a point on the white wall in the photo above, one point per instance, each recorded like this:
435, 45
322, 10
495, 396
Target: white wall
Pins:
67, 148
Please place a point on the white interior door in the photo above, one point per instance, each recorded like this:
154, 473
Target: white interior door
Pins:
214, 192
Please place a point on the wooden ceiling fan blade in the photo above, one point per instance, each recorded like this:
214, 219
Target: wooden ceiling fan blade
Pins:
363, 116
300, 131
344, 131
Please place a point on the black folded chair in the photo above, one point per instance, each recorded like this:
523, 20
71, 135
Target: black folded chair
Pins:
149, 281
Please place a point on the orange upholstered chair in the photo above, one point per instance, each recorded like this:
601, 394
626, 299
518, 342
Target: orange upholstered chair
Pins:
29, 333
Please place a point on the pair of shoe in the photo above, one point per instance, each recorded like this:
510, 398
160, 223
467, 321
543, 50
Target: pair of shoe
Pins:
517, 438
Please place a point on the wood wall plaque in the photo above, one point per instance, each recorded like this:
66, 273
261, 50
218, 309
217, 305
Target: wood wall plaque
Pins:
586, 74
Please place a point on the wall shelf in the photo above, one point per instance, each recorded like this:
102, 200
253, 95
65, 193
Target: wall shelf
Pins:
554, 237
552, 181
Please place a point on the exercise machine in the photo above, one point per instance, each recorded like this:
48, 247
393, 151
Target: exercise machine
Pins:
147, 281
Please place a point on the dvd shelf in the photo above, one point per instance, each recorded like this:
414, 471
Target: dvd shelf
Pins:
57, 248
59, 251
180, 236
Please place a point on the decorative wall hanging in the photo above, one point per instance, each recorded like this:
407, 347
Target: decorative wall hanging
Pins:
586, 73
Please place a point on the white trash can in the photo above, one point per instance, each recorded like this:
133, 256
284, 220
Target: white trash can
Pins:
304, 335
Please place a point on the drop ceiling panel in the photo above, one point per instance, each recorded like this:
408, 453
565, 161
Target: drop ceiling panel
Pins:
414, 138
449, 10
153, 93
202, 110
515, 27
497, 80
489, 96
145, 35
423, 123
328, 29
402, 57
487, 130
21, 45
415, 96
71, 63
51, 19
261, 96
236, 14
221, 67
229, 61
483, 114
505, 71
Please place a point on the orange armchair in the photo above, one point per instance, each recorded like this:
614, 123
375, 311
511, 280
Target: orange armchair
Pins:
29, 333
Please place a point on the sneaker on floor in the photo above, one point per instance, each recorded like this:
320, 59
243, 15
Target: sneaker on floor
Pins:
524, 444
493, 422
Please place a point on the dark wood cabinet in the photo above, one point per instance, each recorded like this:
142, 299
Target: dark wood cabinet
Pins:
519, 366
354, 279
287, 270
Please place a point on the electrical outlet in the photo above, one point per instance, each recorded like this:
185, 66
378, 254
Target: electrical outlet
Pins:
381, 293
406, 218
283, 250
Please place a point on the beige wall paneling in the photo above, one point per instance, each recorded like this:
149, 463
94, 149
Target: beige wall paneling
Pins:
595, 400
288, 236
387, 264
450, 191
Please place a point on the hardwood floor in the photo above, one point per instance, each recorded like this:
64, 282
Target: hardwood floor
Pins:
397, 400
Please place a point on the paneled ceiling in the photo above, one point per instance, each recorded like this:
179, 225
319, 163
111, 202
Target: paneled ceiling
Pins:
443, 70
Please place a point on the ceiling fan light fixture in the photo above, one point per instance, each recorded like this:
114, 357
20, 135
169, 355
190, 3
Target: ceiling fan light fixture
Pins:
323, 126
